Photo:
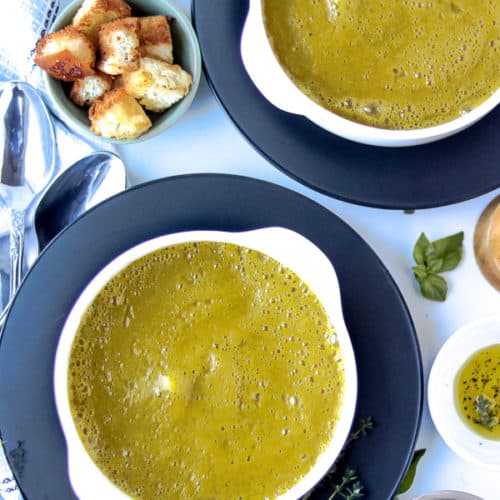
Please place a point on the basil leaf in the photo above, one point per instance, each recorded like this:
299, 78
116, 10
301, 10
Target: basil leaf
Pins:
412, 470
433, 258
420, 271
452, 259
430, 253
420, 249
450, 249
434, 265
434, 287
448, 244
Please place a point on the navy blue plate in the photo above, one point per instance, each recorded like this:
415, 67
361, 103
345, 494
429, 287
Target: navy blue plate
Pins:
445, 172
382, 333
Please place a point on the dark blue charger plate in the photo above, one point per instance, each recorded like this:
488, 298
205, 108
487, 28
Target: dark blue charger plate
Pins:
381, 329
445, 172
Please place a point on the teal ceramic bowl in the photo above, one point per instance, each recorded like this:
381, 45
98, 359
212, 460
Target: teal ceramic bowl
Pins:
186, 53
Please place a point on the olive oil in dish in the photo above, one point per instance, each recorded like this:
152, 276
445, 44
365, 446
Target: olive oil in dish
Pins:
477, 392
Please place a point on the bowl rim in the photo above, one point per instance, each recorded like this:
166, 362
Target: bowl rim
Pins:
275, 85
49, 82
282, 244
448, 495
460, 346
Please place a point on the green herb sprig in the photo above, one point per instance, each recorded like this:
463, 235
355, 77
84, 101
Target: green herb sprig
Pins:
487, 412
349, 487
407, 481
365, 425
436, 257
345, 484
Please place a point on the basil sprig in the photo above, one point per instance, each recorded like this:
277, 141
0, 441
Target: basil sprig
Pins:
436, 257
407, 482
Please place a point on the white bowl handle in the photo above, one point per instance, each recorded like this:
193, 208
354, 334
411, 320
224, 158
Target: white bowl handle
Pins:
262, 66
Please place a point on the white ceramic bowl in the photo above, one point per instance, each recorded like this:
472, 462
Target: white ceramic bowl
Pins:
269, 77
441, 392
448, 495
289, 248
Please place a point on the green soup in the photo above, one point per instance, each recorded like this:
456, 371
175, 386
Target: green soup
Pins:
205, 370
397, 64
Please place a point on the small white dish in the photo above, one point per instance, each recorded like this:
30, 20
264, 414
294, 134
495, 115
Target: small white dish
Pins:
448, 495
274, 84
441, 392
293, 251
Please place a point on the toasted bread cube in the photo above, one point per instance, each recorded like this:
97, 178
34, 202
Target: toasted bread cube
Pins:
117, 82
66, 55
118, 115
86, 90
119, 46
156, 39
156, 84
93, 13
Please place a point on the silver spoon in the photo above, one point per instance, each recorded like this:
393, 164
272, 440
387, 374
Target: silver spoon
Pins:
27, 164
83, 185
28, 161
78, 188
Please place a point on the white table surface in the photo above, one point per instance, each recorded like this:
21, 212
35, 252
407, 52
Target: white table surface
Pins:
205, 140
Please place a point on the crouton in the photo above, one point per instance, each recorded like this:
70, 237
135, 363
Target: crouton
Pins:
157, 85
119, 46
156, 39
118, 115
117, 82
66, 55
86, 90
93, 13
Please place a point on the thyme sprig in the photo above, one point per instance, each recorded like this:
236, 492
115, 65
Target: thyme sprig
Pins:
487, 412
345, 484
365, 425
349, 487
